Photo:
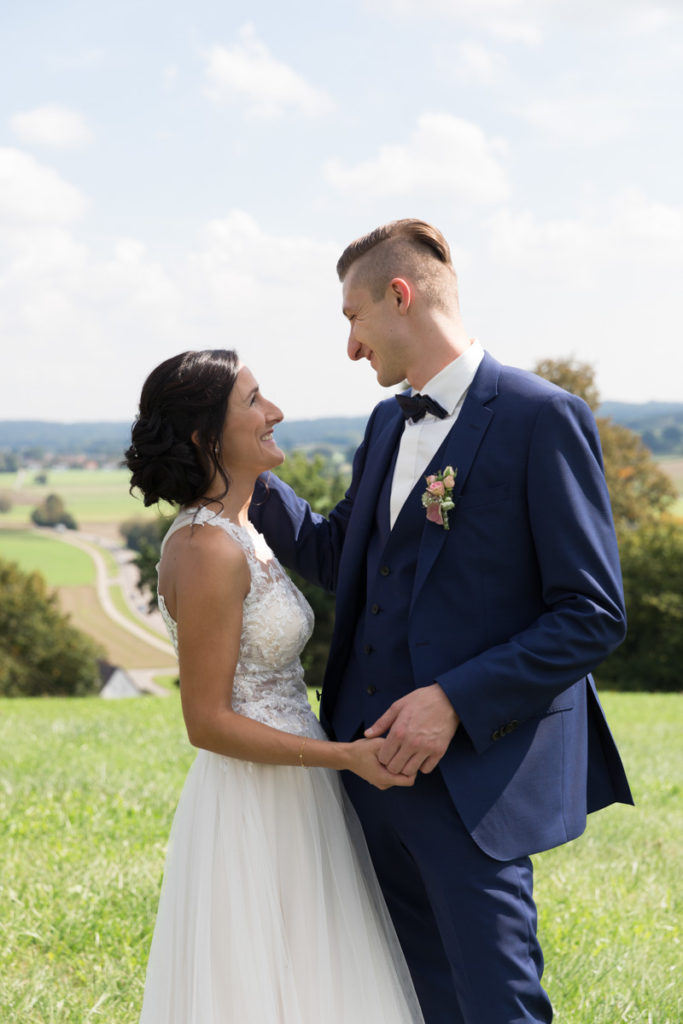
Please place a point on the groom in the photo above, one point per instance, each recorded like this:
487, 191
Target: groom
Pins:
467, 626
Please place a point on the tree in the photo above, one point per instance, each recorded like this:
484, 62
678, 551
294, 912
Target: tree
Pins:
322, 483
573, 376
652, 654
5, 501
51, 512
639, 490
41, 653
9, 462
134, 531
145, 537
650, 547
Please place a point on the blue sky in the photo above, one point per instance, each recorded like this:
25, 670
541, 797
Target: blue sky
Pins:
177, 175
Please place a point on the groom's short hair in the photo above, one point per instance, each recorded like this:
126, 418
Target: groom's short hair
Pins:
406, 246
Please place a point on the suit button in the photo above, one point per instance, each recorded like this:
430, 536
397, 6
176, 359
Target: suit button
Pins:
372, 690
367, 648
384, 570
496, 735
374, 609
513, 724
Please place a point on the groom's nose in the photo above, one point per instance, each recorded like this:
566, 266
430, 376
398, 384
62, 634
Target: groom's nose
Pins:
353, 348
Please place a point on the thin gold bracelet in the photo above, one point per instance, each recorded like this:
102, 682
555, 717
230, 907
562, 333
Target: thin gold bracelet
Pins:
301, 753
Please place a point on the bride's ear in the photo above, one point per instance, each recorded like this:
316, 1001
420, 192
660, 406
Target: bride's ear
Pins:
194, 437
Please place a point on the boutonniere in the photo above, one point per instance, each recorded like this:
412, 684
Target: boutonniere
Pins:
437, 499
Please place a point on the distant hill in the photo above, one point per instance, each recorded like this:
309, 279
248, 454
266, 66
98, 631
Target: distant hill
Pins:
660, 424
35, 438
64, 438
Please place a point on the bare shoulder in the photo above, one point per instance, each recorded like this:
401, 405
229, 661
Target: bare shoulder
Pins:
205, 556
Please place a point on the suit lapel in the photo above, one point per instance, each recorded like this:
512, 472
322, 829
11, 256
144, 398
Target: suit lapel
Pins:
461, 447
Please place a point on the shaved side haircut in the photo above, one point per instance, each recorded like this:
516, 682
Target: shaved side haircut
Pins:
409, 248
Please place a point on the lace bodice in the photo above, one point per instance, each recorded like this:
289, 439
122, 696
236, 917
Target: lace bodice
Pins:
276, 624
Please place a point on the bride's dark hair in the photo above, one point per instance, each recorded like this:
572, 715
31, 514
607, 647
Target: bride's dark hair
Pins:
184, 396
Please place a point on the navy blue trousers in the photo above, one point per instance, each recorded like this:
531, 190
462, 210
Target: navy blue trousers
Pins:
466, 922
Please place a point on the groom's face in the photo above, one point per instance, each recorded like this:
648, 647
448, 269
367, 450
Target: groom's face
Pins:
374, 332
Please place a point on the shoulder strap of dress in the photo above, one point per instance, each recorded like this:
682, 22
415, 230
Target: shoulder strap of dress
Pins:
183, 518
203, 517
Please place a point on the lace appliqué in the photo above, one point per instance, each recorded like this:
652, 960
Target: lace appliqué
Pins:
277, 623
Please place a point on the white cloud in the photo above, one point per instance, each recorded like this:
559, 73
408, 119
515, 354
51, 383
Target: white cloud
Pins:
509, 19
526, 21
248, 72
602, 287
81, 330
582, 120
446, 154
475, 63
277, 300
51, 125
650, 18
30, 191
631, 230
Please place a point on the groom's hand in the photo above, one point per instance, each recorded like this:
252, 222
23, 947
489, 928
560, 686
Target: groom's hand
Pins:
418, 729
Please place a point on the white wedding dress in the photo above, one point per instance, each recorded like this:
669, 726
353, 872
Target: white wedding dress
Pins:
270, 912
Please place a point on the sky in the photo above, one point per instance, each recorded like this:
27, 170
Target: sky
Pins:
184, 175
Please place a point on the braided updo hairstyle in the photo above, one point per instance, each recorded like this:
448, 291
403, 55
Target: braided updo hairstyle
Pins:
183, 395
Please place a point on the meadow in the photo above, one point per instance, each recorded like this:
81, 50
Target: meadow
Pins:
60, 564
96, 498
87, 793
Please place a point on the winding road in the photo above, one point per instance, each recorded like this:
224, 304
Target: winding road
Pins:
90, 544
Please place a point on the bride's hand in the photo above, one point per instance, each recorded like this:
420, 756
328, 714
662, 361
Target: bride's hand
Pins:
365, 763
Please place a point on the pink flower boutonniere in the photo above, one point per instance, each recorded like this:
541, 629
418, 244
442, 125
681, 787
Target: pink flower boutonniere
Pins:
437, 499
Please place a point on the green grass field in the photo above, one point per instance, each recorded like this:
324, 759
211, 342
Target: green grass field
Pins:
61, 564
91, 496
87, 793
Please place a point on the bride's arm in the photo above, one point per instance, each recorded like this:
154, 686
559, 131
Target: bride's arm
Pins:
208, 580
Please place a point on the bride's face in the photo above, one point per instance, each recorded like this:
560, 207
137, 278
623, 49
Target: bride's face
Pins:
247, 441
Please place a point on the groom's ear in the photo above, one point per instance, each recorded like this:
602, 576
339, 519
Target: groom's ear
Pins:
401, 294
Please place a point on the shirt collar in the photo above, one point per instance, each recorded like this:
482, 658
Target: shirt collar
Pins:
449, 385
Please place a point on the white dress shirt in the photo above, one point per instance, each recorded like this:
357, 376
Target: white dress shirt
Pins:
421, 440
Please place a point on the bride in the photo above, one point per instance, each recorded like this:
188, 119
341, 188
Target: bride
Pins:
269, 910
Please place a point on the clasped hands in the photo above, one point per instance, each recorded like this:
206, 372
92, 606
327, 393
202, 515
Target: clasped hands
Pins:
417, 730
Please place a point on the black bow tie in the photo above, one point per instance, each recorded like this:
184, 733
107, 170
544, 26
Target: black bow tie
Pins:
414, 407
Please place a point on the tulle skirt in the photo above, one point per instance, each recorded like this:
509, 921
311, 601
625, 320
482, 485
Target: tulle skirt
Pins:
270, 912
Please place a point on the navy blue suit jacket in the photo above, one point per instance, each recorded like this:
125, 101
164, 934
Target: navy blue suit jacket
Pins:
510, 610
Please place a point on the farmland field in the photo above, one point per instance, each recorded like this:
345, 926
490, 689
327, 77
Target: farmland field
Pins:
70, 571
121, 647
85, 829
92, 496
59, 563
